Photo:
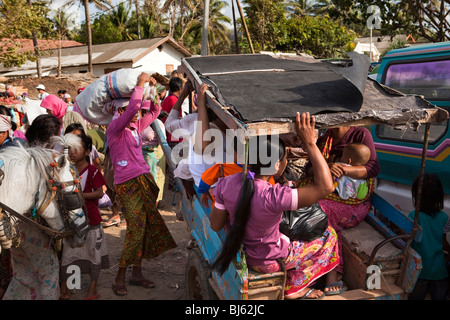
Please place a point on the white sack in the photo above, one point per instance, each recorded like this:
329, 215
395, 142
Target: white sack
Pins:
94, 101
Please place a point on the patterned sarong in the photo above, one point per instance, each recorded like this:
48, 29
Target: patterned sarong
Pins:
147, 235
154, 156
307, 261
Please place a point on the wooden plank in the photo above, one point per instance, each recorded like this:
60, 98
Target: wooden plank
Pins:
395, 215
211, 101
384, 230
281, 127
360, 294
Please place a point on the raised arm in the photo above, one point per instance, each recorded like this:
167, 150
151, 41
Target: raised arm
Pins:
134, 105
323, 183
150, 116
203, 126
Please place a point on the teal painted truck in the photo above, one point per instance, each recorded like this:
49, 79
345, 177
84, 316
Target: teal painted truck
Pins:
422, 70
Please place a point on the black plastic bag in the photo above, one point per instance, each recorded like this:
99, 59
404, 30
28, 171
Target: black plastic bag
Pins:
305, 224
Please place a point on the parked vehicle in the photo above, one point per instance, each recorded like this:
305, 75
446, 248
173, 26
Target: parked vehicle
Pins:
423, 70
381, 241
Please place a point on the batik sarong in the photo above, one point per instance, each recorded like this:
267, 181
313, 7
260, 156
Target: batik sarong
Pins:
147, 235
306, 262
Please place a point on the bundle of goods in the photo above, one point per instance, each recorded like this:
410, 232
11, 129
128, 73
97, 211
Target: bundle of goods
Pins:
96, 102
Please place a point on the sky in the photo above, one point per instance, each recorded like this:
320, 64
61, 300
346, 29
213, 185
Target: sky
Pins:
77, 11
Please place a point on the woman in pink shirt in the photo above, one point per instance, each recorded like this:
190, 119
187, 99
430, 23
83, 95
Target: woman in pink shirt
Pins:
254, 210
147, 235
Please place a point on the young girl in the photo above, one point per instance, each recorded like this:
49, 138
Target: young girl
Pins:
93, 255
254, 209
435, 224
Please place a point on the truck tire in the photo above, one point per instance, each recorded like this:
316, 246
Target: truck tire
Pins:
197, 275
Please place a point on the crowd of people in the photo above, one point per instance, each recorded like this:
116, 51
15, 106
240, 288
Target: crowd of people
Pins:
131, 173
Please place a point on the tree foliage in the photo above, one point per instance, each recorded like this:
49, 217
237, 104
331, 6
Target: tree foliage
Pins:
323, 28
317, 36
17, 21
266, 22
423, 18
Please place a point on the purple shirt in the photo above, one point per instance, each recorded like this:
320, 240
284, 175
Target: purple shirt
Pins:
263, 241
126, 145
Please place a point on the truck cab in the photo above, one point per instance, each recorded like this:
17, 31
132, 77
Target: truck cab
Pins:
421, 70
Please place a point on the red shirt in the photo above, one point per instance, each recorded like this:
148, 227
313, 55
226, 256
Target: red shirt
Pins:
167, 106
93, 181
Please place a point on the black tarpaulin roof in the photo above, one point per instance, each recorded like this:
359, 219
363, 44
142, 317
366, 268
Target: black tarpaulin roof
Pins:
262, 90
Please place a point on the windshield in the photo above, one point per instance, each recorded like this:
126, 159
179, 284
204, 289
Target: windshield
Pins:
430, 79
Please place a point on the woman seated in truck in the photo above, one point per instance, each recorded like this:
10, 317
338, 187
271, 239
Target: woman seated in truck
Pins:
252, 211
343, 214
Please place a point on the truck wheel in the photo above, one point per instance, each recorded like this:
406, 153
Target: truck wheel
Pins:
197, 275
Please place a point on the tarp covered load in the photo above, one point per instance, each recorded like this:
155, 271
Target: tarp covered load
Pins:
94, 102
263, 91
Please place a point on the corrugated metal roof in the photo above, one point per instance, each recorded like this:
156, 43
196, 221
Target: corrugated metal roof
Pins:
125, 51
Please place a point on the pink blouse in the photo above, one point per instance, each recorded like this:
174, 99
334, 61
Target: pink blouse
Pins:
263, 242
126, 144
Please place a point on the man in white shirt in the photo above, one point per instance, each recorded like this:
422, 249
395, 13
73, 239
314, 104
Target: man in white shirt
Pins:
189, 127
42, 93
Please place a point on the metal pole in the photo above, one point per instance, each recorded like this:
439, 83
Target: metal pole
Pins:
245, 27
204, 50
236, 40
420, 184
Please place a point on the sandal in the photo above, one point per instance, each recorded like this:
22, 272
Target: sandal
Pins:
110, 223
340, 284
142, 283
119, 290
307, 295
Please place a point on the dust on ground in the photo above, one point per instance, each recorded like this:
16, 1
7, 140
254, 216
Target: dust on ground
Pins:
70, 82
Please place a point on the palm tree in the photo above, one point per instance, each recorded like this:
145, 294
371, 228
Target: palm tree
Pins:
301, 7
217, 31
102, 5
181, 14
138, 18
154, 17
120, 17
61, 24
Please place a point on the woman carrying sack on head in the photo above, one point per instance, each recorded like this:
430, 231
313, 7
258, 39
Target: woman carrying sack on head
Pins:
147, 235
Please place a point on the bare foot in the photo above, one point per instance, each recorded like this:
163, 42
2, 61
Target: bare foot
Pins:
314, 294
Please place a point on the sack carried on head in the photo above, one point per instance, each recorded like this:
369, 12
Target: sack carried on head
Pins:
94, 102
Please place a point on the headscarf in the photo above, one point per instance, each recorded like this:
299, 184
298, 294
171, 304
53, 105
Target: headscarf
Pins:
160, 88
145, 105
112, 107
5, 125
55, 104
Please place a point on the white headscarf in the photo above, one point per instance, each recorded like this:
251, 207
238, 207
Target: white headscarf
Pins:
112, 107
5, 125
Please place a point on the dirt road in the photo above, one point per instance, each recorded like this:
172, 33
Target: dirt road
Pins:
166, 271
